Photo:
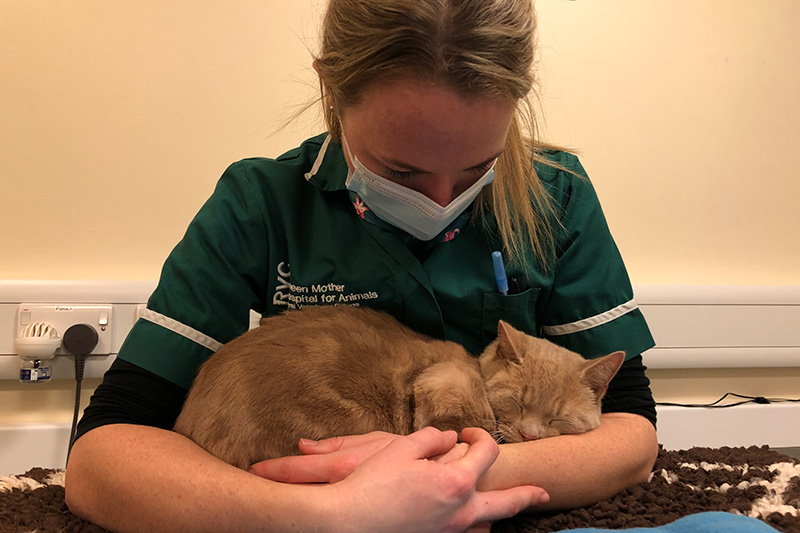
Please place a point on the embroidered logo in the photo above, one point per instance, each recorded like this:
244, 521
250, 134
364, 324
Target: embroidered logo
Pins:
450, 235
360, 207
291, 296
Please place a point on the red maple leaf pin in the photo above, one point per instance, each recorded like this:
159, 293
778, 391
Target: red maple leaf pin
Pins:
450, 235
360, 207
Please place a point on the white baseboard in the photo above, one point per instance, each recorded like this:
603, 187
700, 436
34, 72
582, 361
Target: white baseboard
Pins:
25, 446
775, 425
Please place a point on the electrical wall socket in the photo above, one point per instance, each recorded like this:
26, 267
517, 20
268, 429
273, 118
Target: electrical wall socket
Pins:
61, 316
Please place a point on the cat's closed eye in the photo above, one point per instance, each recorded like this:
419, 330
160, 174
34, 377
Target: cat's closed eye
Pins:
520, 406
572, 425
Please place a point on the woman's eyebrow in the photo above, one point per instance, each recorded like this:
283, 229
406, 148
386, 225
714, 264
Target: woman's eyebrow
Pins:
412, 168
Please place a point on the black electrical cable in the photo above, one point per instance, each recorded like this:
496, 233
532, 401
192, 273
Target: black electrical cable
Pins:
79, 340
80, 363
745, 400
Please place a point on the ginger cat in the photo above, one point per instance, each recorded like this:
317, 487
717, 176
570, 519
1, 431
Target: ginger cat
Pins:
322, 371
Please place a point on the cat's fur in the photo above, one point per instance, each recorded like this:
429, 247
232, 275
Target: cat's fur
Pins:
322, 371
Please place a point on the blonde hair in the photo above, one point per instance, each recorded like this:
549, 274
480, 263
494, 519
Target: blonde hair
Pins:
475, 47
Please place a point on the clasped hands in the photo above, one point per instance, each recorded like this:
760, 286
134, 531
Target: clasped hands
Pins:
426, 481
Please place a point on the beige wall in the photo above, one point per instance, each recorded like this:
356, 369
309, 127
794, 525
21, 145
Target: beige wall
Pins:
117, 118
688, 118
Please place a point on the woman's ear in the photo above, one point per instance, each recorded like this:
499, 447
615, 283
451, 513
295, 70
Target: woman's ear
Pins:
326, 94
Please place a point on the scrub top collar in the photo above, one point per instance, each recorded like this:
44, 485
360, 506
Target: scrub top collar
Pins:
329, 173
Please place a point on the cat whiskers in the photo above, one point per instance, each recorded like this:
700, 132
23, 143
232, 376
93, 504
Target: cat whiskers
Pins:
503, 430
497, 435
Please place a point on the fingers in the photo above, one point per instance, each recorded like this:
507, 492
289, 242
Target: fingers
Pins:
331, 460
474, 434
426, 443
312, 447
499, 504
494, 505
483, 527
325, 461
453, 454
296, 469
481, 454
327, 468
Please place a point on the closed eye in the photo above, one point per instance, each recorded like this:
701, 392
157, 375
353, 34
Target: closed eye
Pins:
519, 405
483, 167
408, 174
401, 174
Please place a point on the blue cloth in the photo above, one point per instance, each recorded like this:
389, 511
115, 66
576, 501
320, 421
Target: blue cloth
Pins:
710, 522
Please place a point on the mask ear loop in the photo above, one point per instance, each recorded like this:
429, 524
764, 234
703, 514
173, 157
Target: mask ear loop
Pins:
349, 154
347, 146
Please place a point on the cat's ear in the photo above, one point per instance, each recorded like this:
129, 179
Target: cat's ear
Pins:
599, 372
508, 346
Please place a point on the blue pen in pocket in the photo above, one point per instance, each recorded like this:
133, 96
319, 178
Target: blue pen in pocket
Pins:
500, 273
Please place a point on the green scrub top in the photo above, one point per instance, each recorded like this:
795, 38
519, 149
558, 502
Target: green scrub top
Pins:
285, 233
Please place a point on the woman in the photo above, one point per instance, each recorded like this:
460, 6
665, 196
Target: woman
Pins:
427, 167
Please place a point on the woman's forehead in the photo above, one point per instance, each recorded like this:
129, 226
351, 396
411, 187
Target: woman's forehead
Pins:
418, 123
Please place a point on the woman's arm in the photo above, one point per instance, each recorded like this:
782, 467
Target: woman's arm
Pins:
139, 478
575, 470
578, 470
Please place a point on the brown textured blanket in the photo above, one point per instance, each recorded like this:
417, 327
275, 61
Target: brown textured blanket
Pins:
752, 481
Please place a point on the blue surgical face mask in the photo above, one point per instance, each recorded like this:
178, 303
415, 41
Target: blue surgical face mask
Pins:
406, 208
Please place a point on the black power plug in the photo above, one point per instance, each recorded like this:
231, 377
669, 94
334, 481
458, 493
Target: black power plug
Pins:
79, 340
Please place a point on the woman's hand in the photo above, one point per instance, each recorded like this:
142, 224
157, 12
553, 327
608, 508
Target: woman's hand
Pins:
325, 461
401, 476
332, 460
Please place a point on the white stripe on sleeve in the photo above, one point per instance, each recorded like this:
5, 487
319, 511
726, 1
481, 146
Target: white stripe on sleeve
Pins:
181, 329
591, 322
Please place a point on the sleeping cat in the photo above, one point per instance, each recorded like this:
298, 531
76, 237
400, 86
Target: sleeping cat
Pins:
322, 371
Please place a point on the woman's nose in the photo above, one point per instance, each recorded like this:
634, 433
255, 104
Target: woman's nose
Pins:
441, 189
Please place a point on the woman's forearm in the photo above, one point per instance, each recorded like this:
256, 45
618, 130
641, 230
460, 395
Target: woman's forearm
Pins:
138, 478
578, 470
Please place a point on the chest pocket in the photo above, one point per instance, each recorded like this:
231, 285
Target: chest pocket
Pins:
519, 310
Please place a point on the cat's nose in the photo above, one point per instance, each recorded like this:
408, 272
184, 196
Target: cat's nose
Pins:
528, 436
